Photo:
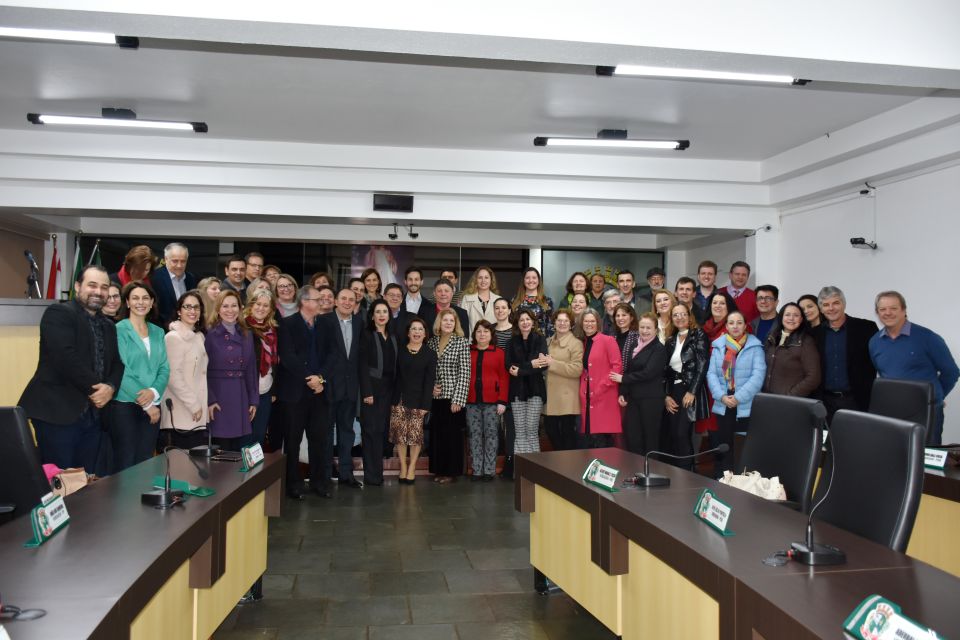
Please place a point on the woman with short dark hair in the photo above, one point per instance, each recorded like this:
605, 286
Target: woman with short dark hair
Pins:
412, 397
378, 371
486, 401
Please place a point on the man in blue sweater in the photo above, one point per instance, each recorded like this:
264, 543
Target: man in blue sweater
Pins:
908, 351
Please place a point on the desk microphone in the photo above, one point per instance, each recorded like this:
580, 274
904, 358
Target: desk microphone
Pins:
203, 450
166, 497
816, 554
647, 479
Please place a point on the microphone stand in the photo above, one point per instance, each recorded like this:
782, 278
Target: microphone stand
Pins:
203, 450
647, 479
166, 497
813, 553
33, 280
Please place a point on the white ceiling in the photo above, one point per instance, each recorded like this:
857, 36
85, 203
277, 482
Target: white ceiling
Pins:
276, 94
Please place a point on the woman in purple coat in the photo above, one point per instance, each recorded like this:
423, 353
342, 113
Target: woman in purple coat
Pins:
232, 387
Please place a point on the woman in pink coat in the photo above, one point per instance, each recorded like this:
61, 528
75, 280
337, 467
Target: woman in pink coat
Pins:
599, 407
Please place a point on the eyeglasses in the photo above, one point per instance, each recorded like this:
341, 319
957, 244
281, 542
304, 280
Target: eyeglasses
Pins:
285, 286
310, 299
190, 307
115, 296
681, 315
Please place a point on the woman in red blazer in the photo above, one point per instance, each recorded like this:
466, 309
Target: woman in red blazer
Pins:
599, 408
486, 401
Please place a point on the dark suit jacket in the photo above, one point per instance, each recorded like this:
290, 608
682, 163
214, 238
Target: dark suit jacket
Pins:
400, 324
293, 341
860, 370
643, 377
342, 368
65, 372
166, 296
428, 311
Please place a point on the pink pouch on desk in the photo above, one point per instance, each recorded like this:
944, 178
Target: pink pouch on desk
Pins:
51, 470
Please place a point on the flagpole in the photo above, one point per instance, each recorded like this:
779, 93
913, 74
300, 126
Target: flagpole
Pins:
95, 254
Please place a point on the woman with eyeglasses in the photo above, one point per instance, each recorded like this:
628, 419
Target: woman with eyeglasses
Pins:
793, 361
187, 387
112, 306
287, 295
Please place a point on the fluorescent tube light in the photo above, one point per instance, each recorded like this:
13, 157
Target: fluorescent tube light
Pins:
36, 118
677, 145
95, 37
697, 74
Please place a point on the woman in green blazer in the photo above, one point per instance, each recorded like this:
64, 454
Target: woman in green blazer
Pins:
135, 419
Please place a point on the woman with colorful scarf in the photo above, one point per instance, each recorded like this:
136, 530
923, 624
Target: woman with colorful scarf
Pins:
259, 315
736, 373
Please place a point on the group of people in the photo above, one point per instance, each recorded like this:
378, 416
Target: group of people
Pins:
645, 368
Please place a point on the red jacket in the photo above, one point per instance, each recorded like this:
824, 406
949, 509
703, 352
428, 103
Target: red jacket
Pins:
746, 303
493, 376
604, 410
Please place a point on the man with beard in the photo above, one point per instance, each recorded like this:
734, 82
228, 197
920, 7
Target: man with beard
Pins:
78, 372
413, 279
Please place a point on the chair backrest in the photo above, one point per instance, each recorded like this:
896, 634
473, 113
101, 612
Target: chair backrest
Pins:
784, 440
22, 480
876, 464
910, 400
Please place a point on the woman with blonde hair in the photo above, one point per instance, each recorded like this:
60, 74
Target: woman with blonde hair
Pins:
209, 289
663, 304
232, 387
479, 296
260, 317
449, 396
564, 363
530, 296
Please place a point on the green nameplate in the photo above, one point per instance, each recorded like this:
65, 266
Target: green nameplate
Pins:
601, 475
251, 456
877, 618
46, 519
186, 487
713, 511
935, 458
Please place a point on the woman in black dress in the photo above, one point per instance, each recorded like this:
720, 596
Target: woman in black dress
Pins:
412, 397
378, 366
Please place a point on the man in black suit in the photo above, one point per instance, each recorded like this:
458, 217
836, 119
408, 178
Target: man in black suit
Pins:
77, 375
172, 280
302, 389
399, 316
443, 291
235, 270
341, 330
843, 341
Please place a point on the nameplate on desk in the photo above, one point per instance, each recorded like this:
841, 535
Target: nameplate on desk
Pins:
713, 511
251, 456
47, 519
877, 618
601, 475
935, 458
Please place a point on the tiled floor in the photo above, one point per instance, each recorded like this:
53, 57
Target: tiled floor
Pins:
397, 562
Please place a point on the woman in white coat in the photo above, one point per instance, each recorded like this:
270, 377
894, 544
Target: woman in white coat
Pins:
478, 298
187, 387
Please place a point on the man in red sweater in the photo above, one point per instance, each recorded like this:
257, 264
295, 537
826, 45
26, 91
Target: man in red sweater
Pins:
745, 297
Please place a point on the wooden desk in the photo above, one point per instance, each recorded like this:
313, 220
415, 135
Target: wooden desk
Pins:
121, 569
677, 577
933, 538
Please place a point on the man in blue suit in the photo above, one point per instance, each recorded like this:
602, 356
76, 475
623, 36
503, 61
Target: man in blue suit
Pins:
341, 334
172, 280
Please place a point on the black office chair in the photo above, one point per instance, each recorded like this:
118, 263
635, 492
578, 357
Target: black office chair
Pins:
784, 440
876, 464
22, 480
910, 400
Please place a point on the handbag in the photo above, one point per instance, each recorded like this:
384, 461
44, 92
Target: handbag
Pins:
753, 482
69, 481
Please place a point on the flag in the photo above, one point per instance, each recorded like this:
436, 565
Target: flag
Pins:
53, 276
95, 255
78, 260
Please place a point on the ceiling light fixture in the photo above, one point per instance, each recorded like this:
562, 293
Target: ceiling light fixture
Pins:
611, 139
91, 37
120, 118
696, 74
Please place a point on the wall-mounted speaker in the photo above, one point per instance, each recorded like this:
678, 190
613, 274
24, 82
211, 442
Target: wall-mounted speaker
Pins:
392, 202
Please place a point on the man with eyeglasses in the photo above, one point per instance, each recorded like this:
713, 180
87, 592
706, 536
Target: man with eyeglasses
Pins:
768, 297
301, 388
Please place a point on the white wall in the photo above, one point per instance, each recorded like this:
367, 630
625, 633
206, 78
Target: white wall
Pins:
723, 253
917, 231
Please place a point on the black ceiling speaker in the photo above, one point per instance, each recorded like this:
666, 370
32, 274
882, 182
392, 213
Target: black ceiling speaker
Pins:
392, 202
